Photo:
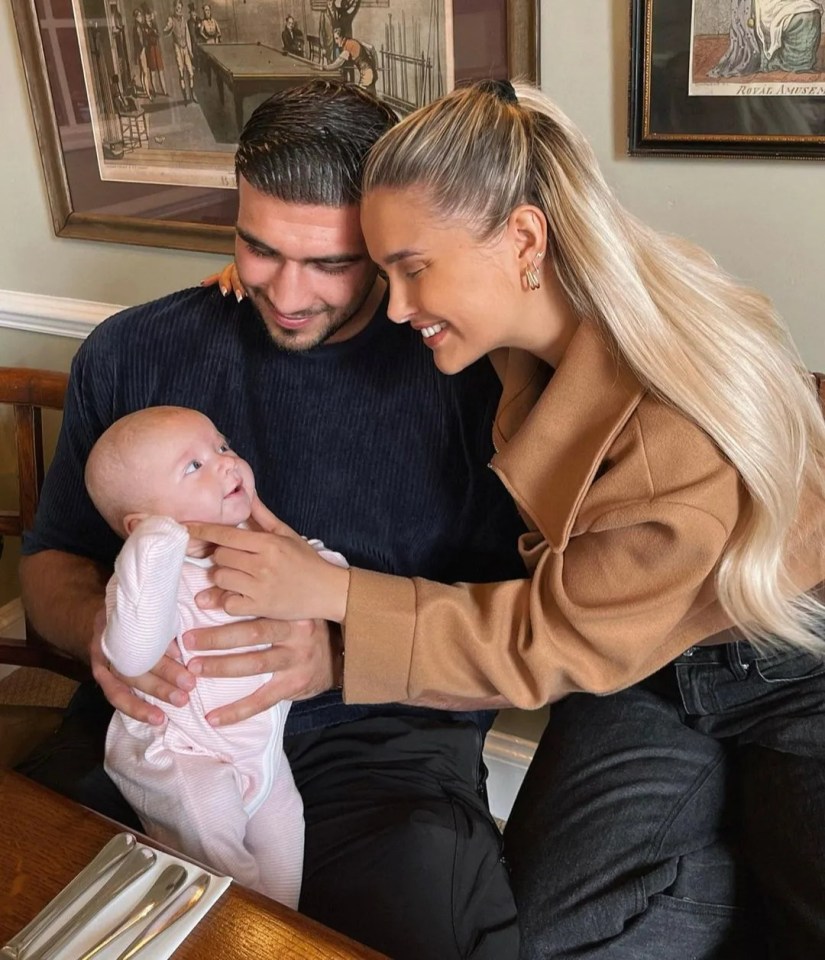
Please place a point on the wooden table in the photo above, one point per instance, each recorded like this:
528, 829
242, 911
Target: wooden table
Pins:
45, 840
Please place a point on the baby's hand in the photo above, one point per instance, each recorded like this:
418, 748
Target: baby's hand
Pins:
169, 680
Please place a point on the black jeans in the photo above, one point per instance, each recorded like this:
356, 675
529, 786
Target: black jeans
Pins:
401, 852
682, 818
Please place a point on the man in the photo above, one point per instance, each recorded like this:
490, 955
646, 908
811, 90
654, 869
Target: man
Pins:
351, 433
291, 38
327, 22
345, 11
178, 26
358, 53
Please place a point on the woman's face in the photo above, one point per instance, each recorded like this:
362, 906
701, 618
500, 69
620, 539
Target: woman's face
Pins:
463, 295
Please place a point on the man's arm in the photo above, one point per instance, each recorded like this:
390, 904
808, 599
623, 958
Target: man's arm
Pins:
69, 613
62, 595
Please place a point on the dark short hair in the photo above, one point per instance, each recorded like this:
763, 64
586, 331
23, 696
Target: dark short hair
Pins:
308, 144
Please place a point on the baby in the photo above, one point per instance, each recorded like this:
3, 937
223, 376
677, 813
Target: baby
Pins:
224, 796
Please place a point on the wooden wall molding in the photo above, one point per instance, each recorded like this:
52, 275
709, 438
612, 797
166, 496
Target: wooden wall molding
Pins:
58, 316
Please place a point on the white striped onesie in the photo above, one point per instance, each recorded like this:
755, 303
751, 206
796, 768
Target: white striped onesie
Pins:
223, 796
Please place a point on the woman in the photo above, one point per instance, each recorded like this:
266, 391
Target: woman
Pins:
665, 444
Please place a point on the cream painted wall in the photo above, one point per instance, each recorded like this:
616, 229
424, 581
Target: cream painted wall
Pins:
763, 220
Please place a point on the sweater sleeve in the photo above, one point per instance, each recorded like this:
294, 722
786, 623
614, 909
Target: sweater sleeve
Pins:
141, 600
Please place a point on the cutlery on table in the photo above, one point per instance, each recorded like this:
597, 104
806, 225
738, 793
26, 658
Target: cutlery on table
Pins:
134, 866
183, 903
114, 851
167, 884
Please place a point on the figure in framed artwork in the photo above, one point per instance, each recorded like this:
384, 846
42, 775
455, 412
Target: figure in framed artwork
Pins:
767, 36
140, 42
360, 54
154, 56
345, 11
327, 23
209, 28
292, 38
177, 26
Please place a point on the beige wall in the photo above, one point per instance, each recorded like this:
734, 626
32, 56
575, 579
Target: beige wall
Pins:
764, 219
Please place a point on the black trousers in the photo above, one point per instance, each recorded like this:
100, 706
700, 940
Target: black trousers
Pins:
680, 819
401, 851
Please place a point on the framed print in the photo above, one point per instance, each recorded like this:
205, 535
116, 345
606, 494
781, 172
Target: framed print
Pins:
728, 78
138, 103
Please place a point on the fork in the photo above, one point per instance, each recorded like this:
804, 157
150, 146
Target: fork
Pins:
114, 851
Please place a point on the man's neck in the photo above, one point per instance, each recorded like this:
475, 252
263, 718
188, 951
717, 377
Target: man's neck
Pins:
362, 316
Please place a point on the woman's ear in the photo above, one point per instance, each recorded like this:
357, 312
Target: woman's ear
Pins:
527, 225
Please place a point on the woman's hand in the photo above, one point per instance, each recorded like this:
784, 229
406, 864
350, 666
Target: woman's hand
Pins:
227, 279
273, 572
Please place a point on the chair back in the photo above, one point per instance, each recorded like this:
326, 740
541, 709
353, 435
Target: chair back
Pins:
29, 392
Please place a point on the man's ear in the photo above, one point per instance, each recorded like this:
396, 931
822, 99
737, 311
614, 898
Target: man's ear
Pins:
131, 520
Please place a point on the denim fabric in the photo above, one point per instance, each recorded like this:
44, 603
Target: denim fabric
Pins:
681, 819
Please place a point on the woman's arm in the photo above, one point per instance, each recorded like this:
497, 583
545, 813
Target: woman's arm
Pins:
630, 591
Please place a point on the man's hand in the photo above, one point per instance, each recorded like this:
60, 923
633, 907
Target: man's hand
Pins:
169, 680
304, 659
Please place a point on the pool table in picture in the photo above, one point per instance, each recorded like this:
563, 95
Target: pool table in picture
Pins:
243, 70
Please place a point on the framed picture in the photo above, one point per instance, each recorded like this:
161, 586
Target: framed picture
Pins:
138, 103
728, 78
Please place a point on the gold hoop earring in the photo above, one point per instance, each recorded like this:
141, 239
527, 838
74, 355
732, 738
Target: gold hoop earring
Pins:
531, 273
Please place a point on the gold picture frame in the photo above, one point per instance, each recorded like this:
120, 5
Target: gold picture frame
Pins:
712, 79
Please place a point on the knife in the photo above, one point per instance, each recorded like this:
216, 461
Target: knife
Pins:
183, 903
134, 866
166, 885
114, 851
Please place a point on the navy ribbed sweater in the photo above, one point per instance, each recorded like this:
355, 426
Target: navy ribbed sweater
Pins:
363, 444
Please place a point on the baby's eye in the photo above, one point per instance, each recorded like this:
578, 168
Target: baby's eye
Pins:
193, 466
224, 447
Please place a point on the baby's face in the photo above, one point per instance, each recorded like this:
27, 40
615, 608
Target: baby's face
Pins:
190, 474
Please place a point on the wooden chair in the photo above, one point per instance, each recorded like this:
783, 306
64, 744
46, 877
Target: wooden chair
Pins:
29, 392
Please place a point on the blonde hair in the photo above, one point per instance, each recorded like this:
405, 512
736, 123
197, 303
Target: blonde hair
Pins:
694, 336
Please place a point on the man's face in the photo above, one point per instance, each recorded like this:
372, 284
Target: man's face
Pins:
305, 268
289, 22
207, 13
178, 9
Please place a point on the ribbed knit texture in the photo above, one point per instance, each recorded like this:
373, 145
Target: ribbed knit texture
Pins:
363, 444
